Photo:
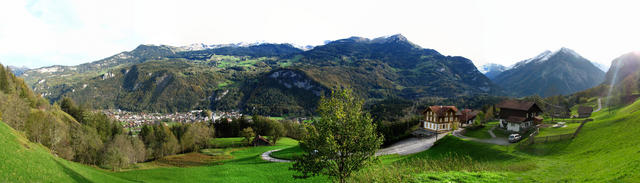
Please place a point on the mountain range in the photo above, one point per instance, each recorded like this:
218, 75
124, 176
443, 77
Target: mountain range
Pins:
18, 70
268, 79
560, 72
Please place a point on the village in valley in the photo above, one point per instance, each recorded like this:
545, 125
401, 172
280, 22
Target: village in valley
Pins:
134, 120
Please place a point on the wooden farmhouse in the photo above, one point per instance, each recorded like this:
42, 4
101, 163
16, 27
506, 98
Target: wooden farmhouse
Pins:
518, 116
584, 111
440, 118
260, 141
467, 117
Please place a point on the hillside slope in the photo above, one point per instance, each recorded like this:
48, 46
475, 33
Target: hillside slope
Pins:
24, 161
550, 73
266, 79
606, 150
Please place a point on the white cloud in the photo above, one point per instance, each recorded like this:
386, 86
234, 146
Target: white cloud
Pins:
38, 33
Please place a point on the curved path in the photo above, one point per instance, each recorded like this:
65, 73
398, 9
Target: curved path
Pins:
412, 145
599, 105
493, 135
409, 146
404, 147
496, 140
267, 157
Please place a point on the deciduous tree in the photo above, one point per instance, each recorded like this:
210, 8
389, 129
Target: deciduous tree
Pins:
247, 133
342, 141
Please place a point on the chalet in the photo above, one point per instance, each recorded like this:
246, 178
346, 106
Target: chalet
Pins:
440, 118
260, 141
467, 116
518, 116
558, 111
584, 111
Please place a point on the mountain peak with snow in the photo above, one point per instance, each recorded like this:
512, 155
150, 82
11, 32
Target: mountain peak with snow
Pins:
491, 70
546, 55
549, 73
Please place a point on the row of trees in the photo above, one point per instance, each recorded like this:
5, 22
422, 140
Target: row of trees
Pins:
161, 140
259, 125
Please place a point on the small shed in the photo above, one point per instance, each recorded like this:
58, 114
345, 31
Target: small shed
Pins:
260, 141
584, 111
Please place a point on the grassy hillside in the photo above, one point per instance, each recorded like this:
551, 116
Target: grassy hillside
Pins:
23, 161
606, 150
245, 166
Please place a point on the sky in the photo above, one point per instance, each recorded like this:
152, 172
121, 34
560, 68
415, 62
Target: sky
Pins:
36, 33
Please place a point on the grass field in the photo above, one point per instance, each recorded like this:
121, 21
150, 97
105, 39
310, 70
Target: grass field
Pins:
481, 133
288, 153
23, 161
550, 131
228, 142
606, 150
245, 166
276, 118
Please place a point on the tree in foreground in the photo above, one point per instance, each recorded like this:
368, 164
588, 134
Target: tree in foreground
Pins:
342, 141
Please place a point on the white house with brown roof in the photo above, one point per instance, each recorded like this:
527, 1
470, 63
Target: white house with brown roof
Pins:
440, 118
518, 116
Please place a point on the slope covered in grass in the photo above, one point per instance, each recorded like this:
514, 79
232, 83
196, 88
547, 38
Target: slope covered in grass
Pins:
606, 150
23, 161
245, 166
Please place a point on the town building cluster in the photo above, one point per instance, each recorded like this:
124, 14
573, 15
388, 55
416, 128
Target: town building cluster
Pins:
137, 119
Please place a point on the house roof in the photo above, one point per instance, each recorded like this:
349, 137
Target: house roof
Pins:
440, 110
585, 110
517, 105
262, 139
467, 114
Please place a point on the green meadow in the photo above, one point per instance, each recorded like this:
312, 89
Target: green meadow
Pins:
606, 150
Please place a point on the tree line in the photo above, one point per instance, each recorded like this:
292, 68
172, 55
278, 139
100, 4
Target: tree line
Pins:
258, 125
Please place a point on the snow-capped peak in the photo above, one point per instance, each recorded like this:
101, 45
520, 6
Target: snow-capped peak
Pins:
303, 48
202, 46
569, 51
539, 58
544, 56
491, 67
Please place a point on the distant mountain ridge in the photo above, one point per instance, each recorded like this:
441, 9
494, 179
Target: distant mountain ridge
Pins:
268, 79
18, 70
550, 73
491, 70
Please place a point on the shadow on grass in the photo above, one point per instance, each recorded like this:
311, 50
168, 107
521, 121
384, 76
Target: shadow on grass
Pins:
73, 174
251, 160
475, 150
545, 149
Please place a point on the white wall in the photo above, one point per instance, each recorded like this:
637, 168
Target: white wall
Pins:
513, 127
